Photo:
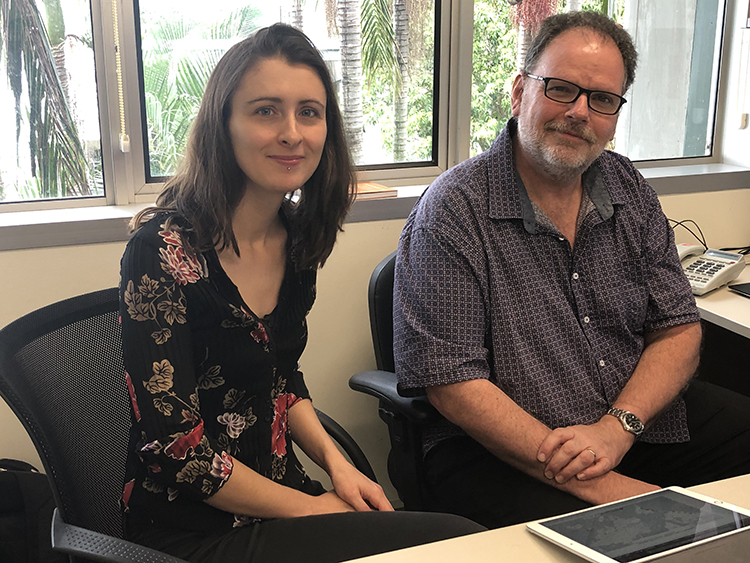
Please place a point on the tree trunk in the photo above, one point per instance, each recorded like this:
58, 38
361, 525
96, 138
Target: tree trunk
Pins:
56, 35
297, 14
350, 29
401, 106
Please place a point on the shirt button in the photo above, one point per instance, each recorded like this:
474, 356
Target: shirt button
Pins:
602, 363
575, 275
586, 320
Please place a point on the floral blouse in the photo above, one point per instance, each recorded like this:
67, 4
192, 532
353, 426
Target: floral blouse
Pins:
209, 381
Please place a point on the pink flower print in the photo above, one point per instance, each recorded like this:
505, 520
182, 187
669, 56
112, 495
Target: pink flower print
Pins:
222, 466
182, 268
234, 422
279, 424
133, 401
171, 237
259, 334
184, 444
126, 492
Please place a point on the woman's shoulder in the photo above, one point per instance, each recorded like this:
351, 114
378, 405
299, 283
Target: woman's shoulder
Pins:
162, 229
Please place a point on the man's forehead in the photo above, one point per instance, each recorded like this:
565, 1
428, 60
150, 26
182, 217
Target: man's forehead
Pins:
596, 47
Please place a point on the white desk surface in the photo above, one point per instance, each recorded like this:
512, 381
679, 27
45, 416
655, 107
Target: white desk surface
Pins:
516, 544
726, 308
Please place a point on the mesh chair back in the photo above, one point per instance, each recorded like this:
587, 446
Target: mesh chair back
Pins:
380, 295
61, 371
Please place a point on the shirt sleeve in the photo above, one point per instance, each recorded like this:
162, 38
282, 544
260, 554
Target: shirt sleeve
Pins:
158, 357
671, 300
440, 312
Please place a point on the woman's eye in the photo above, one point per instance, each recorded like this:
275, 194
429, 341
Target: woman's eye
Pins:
309, 112
263, 111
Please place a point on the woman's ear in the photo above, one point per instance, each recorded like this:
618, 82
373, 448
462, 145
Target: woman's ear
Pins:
516, 94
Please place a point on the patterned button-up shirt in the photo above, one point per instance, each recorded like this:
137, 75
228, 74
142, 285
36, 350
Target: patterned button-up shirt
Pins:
487, 287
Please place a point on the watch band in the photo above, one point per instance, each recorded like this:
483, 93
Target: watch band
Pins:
630, 422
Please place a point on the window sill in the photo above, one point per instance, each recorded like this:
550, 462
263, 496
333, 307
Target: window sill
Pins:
89, 225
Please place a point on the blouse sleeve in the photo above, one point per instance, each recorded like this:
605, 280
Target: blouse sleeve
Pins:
161, 375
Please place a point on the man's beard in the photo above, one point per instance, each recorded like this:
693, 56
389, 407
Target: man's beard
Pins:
555, 159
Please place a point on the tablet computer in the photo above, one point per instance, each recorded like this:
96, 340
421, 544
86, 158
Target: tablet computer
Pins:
741, 288
670, 524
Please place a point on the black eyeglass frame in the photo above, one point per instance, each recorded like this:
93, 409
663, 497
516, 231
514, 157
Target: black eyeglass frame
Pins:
581, 90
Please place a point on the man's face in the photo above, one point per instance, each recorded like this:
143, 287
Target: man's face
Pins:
561, 140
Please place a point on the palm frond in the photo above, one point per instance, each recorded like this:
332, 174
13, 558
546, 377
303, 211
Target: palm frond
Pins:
378, 42
55, 150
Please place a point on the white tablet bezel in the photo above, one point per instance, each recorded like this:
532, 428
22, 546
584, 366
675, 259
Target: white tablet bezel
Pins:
589, 554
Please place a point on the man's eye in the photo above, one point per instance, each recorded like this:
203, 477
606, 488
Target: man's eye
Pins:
603, 98
560, 88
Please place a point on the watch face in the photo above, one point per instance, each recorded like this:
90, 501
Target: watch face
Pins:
633, 422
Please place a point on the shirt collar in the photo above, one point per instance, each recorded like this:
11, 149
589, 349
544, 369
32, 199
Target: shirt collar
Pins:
514, 203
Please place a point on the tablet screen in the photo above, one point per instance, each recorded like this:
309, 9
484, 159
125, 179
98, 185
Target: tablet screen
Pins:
741, 288
647, 525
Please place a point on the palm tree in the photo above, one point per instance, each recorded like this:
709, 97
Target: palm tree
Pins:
58, 159
348, 18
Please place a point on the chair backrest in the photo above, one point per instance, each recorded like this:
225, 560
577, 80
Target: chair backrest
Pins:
61, 372
380, 294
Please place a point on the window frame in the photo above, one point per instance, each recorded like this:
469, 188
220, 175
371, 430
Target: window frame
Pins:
69, 221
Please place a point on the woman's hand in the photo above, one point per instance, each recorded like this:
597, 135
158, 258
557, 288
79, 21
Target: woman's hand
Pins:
357, 490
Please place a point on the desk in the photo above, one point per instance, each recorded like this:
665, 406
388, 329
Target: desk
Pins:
727, 309
726, 337
515, 544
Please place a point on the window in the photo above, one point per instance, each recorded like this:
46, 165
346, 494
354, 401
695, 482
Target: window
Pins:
433, 89
676, 82
50, 144
386, 83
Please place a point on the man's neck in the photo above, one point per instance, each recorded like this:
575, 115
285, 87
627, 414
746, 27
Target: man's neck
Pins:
560, 199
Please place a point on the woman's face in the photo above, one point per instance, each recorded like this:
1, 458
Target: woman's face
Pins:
278, 125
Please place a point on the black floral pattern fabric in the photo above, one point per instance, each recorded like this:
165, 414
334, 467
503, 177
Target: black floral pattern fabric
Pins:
209, 381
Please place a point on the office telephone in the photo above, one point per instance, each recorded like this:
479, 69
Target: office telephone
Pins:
709, 269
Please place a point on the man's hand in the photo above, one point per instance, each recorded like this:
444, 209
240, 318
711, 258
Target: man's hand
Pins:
584, 451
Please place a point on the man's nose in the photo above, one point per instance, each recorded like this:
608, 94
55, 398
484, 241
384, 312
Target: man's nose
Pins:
579, 109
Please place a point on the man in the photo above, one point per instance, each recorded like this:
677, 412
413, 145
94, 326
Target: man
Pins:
540, 303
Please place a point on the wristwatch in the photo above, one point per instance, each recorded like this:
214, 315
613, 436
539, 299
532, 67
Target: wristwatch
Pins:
630, 422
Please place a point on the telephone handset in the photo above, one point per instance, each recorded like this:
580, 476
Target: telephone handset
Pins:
709, 269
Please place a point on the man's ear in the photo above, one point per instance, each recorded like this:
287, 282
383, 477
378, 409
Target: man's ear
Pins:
516, 93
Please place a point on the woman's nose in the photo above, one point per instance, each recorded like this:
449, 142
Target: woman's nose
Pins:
290, 134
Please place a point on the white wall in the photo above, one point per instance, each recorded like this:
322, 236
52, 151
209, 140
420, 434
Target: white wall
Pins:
339, 343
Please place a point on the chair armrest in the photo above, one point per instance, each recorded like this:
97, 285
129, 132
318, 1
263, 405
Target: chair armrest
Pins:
347, 443
383, 386
90, 545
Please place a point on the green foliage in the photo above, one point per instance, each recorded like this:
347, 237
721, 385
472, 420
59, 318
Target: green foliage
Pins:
59, 163
493, 70
175, 75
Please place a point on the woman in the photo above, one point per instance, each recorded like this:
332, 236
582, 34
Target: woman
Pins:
216, 283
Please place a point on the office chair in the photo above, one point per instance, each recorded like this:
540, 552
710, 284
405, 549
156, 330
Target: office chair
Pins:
62, 374
406, 417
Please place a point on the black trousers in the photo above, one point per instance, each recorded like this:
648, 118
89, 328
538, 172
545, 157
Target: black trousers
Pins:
329, 538
464, 478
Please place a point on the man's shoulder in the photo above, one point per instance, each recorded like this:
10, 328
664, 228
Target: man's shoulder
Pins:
623, 180
458, 193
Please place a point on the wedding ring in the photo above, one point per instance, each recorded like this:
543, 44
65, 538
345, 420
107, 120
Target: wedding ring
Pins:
592, 453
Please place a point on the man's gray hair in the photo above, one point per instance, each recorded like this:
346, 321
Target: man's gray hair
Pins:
594, 21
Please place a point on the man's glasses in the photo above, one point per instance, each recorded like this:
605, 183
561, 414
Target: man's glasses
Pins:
566, 92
